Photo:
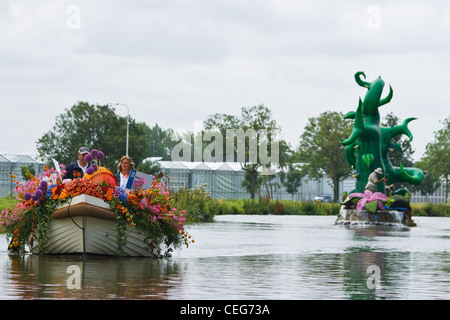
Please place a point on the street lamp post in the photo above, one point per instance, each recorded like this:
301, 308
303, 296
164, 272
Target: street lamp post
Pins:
128, 120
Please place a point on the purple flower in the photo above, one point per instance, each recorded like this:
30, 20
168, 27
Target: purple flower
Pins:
94, 153
117, 192
43, 185
34, 197
100, 155
90, 170
27, 196
38, 193
88, 157
368, 196
95, 166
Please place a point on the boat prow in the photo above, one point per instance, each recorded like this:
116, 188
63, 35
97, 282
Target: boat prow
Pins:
87, 225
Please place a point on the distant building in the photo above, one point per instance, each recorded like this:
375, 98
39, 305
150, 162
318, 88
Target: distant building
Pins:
224, 180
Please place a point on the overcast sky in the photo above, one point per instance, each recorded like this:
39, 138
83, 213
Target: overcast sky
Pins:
174, 62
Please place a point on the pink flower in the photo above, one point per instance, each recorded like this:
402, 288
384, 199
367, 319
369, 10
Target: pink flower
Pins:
143, 204
368, 196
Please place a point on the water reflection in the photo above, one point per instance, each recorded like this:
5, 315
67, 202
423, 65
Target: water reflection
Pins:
49, 277
256, 257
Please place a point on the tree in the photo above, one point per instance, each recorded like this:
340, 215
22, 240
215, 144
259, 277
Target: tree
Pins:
291, 179
437, 155
149, 167
430, 183
160, 142
322, 151
94, 126
396, 157
404, 155
252, 121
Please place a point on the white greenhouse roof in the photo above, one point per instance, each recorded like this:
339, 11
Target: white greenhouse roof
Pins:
209, 166
17, 158
206, 166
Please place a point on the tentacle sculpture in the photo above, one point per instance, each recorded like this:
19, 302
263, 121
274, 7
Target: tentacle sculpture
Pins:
368, 145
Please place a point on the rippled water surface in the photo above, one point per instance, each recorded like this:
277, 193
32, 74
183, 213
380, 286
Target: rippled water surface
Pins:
253, 257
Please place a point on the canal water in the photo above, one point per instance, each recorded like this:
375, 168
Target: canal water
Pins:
253, 258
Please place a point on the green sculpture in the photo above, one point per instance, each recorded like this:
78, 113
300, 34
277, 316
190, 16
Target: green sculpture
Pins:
368, 145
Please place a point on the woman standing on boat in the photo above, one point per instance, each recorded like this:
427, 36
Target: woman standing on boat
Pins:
124, 167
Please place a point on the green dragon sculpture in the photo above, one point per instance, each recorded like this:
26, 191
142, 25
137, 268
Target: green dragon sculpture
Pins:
368, 145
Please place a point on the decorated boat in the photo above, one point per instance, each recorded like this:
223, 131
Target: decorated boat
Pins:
87, 225
397, 214
92, 215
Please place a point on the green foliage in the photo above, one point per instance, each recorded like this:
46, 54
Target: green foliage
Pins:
199, 205
253, 206
8, 203
289, 207
251, 118
309, 208
431, 209
291, 179
322, 151
430, 183
99, 125
396, 157
437, 155
149, 167
27, 171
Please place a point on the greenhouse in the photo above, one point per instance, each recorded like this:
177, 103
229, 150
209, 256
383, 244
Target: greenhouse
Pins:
10, 165
224, 180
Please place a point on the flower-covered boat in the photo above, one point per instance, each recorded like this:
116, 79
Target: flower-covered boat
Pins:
374, 208
91, 215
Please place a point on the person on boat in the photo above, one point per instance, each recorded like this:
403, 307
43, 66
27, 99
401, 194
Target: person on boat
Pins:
124, 167
389, 190
77, 169
373, 180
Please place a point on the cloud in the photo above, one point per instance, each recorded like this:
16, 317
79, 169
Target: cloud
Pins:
177, 61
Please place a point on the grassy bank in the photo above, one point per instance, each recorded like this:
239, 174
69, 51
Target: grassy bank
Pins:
201, 207
6, 203
212, 207
431, 209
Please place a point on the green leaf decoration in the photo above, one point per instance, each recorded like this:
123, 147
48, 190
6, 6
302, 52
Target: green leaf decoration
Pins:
371, 206
367, 159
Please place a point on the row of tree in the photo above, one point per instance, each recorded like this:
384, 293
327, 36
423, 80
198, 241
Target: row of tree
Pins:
319, 151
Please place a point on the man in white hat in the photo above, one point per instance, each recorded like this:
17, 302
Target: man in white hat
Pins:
77, 169
373, 180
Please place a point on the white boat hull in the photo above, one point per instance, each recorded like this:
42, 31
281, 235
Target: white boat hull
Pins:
91, 236
89, 227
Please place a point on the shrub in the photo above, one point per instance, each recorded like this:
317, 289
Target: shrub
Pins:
431, 209
199, 205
